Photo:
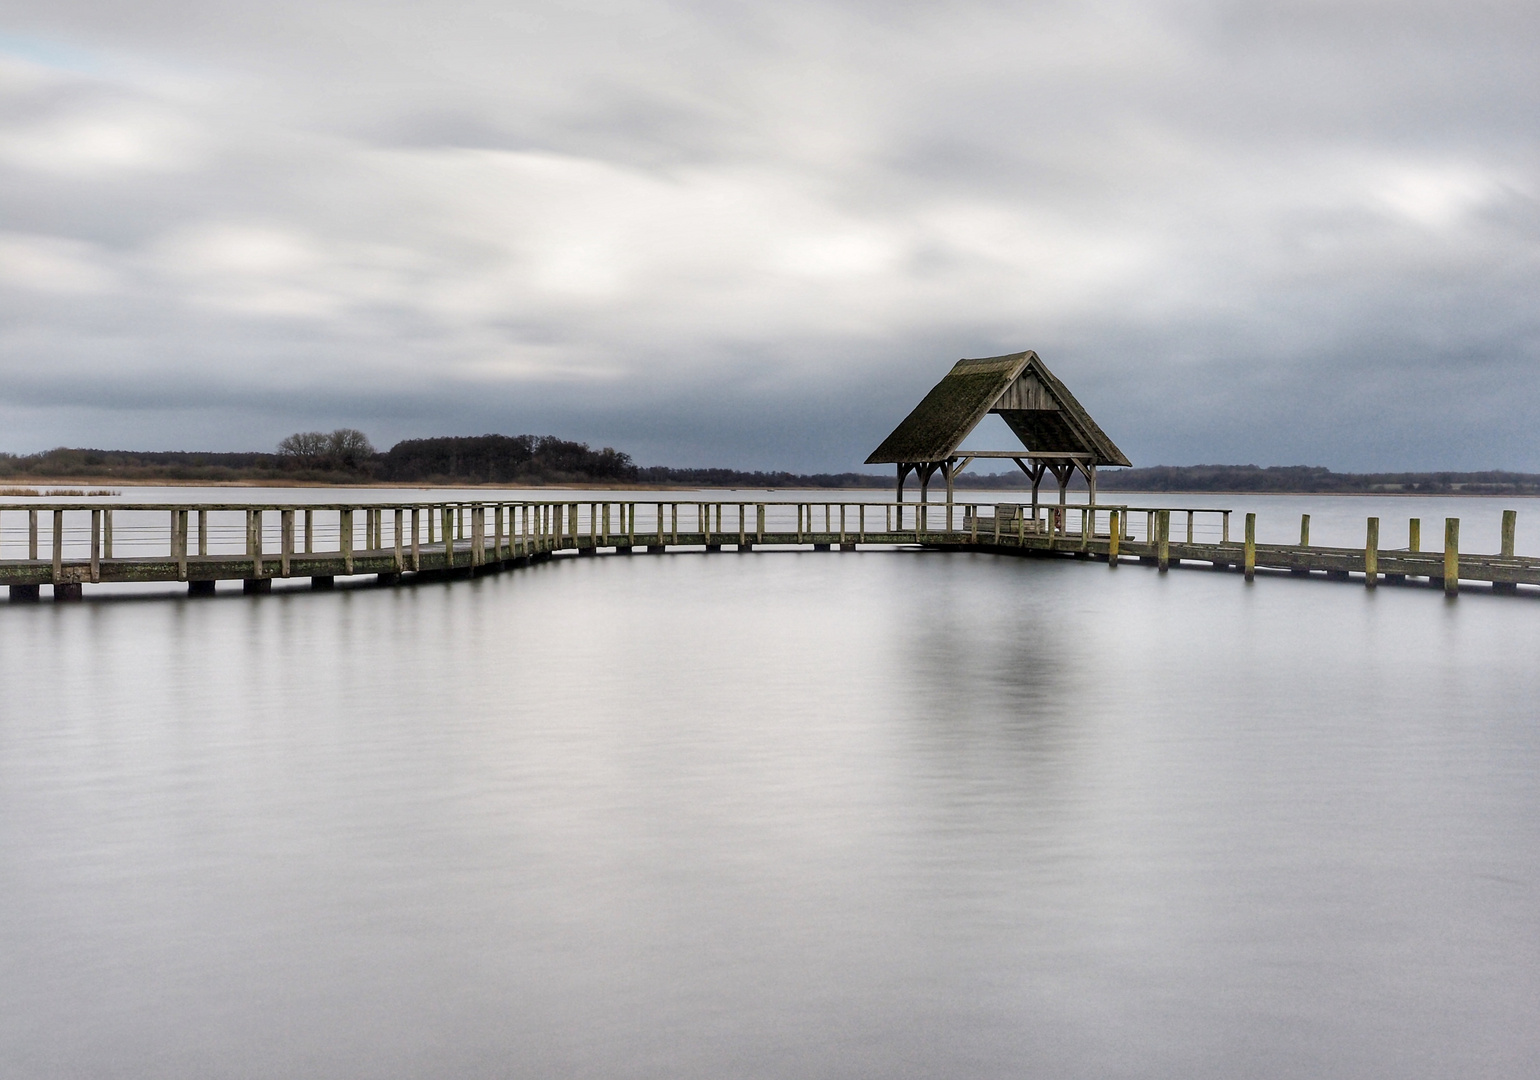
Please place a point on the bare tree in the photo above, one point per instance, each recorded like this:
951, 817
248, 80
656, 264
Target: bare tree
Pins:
309, 446
349, 447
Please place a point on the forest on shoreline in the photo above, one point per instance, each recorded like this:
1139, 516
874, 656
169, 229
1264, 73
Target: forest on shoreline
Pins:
345, 457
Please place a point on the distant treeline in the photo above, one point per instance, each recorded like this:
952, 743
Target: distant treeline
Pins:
346, 456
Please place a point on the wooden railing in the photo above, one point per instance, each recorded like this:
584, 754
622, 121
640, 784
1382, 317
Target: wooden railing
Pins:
69, 544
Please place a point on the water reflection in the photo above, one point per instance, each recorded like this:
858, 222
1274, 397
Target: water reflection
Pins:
785, 814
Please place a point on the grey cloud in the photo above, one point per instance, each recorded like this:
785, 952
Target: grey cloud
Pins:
754, 235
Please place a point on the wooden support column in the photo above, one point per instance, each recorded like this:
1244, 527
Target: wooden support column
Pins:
1414, 534
1451, 556
32, 535
449, 538
1510, 526
1251, 547
179, 539
1114, 532
285, 541
58, 546
345, 538
1163, 540
1372, 553
96, 545
400, 513
107, 533
416, 550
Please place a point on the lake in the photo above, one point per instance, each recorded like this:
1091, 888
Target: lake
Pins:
780, 814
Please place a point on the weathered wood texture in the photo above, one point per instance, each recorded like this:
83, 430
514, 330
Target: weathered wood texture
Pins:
457, 539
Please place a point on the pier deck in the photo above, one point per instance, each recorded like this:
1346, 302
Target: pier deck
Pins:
67, 546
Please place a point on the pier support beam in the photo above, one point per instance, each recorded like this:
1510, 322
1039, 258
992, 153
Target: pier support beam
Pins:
25, 594
257, 586
67, 592
1251, 547
1451, 556
1372, 553
204, 587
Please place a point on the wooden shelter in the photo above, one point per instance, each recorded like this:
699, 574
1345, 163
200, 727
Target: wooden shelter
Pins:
1057, 434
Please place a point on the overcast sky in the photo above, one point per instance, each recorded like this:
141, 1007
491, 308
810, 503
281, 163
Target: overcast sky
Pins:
756, 234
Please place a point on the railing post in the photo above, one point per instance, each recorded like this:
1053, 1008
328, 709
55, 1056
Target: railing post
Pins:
449, 537
1224, 537
416, 550
1510, 525
254, 541
286, 540
58, 546
1163, 540
1414, 534
32, 534
759, 521
179, 542
107, 533
1251, 547
1304, 530
1451, 556
1114, 531
96, 545
396, 530
1189, 526
345, 537
1372, 553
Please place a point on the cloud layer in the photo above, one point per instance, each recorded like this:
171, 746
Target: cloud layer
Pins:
753, 235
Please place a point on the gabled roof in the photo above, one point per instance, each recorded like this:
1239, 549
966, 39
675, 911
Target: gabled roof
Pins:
1037, 406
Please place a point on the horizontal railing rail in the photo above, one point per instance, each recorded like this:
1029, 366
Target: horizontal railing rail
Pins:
66, 544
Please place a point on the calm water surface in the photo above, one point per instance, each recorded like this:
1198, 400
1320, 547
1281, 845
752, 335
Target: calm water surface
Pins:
775, 815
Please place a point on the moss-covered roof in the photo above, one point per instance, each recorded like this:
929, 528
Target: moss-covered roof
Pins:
956, 404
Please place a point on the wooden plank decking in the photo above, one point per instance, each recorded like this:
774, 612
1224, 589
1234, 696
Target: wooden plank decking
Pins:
67, 546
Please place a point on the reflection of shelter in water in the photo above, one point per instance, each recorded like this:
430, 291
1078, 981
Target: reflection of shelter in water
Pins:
1057, 433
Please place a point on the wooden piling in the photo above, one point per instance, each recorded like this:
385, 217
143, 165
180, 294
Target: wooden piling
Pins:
1251, 547
1451, 556
1304, 530
1163, 540
1510, 526
285, 540
1372, 553
179, 542
345, 537
107, 533
58, 545
1414, 534
96, 546
32, 534
1114, 532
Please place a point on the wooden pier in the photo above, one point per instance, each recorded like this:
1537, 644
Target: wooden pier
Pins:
67, 546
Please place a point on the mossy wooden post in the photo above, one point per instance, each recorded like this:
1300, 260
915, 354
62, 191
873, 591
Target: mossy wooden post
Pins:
286, 540
1251, 547
179, 540
416, 550
1304, 530
254, 541
96, 545
1114, 533
449, 536
345, 537
107, 533
1451, 556
1163, 540
1372, 553
58, 545
1189, 527
32, 535
1510, 523
396, 533
759, 522
1414, 534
